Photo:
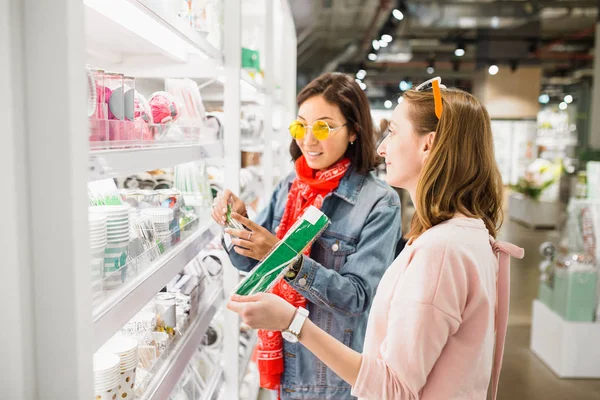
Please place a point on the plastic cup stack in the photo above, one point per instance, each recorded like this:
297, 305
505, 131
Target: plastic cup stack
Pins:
127, 349
98, 242
161, 220
117, 241
106, 376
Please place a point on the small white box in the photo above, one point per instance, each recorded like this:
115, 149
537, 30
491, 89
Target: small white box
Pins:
569, 349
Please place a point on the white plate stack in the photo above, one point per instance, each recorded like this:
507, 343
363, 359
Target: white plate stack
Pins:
106, 376
161, 220
127, 349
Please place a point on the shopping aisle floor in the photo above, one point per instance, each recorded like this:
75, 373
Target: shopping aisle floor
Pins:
524, 376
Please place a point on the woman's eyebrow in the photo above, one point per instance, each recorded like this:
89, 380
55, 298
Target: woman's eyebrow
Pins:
320, 118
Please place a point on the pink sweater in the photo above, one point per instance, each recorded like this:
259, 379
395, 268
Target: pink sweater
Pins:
431, 330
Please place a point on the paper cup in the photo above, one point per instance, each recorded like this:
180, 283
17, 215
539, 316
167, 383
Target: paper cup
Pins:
110, 394
127, 384
159, 215
120, 344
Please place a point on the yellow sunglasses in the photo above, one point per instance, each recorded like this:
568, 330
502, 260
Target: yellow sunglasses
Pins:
320, 129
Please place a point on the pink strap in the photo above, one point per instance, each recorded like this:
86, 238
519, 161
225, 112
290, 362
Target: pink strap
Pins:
505, 251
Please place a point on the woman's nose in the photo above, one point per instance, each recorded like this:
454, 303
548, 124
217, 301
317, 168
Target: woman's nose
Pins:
309, 138
381, 148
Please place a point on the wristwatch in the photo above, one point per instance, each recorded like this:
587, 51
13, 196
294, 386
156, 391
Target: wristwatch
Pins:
292, 334
293, 270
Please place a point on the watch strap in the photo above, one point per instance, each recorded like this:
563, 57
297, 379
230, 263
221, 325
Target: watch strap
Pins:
298, 321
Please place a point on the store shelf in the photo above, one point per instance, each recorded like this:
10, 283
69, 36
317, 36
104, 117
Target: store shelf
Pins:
251, 81
123, 304
172, 368
254, 145
247, 356
105, 164
116, 28
213, 387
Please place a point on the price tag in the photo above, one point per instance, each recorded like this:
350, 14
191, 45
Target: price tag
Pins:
98, 168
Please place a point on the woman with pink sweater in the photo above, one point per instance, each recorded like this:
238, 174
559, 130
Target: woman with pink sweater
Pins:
438, 321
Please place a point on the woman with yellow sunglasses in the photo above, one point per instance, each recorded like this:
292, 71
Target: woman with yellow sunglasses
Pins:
334, 282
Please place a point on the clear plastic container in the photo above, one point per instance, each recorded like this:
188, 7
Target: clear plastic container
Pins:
98, 121
115, 99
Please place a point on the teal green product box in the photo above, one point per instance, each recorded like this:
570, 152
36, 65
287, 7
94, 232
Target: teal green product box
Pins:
264, 276
250, 59
574, 295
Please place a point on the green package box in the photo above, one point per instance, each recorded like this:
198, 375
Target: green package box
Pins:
264, 276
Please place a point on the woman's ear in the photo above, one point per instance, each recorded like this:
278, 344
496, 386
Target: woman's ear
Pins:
353, 137
429, 141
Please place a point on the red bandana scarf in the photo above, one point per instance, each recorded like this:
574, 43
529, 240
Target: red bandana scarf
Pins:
308, 189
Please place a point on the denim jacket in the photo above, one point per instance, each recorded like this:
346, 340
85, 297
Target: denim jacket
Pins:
341, 276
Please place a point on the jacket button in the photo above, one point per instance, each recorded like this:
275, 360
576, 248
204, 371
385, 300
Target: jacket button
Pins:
302, 282
335, 247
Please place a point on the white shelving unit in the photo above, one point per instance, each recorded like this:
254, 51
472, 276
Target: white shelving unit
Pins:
119, 307
117, 163
248, 355
170, 372
45, 155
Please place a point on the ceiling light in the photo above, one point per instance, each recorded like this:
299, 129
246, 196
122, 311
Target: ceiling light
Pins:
404, 86
398, 14
400, 100
493, 70
387, 104
459, 52
361, 74
383, 43
430, 70
363, 85
544, 98
495, 22
563, 106
358, 81
376, 44
387, 38
372, 56
568, 99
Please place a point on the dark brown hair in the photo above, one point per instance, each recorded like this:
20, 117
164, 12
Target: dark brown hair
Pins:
461, 174
344, 92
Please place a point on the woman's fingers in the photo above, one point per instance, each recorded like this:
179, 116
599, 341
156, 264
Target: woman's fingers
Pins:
242, 234
246, 222
244, 252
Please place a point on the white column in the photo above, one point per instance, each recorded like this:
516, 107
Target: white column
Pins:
17, 369
269, 106
594, 133
47, 277
233, 62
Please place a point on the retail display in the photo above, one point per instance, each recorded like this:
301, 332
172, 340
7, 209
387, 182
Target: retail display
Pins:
568, 284
146, 218
262, 278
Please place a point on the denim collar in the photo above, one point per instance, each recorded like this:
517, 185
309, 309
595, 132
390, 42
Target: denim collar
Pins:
349, 186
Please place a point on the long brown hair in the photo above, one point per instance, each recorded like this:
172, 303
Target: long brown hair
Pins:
344, 92
460, 174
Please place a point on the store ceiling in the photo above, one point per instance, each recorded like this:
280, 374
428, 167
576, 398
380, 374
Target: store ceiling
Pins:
338, 34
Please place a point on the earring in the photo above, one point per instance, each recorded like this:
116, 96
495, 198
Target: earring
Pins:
351, 143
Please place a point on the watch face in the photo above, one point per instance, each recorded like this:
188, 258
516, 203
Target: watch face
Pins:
289, 336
